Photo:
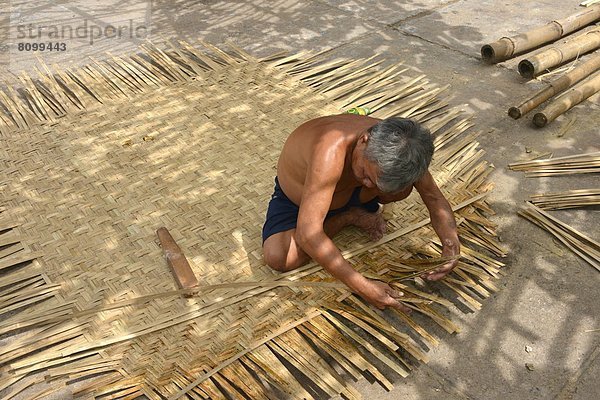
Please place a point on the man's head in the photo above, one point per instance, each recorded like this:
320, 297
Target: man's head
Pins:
401, 150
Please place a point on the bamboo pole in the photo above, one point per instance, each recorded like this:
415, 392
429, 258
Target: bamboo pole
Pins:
508, 47
559, 54
557, 86
568, 100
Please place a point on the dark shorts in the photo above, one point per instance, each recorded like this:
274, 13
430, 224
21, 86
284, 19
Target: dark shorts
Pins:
282, 214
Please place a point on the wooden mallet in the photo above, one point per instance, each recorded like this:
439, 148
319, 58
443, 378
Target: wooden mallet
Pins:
177, 262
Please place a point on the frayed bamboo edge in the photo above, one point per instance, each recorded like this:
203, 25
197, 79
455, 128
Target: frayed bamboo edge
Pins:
57, 92
312, 268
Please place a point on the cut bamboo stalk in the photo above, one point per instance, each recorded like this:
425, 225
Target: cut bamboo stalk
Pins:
567, 101
508, 47
559, 54
557, 86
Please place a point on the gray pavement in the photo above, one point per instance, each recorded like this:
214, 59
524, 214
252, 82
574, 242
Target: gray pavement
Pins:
548, 298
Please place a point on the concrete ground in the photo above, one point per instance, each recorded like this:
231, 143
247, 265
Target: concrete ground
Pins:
548, 296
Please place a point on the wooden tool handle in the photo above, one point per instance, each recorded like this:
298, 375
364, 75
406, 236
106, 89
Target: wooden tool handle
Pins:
176, 259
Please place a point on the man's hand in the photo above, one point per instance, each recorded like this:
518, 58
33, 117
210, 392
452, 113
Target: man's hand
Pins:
381, 295
450, 248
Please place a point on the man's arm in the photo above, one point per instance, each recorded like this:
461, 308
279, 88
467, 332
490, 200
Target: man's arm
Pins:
442, 220
325, 170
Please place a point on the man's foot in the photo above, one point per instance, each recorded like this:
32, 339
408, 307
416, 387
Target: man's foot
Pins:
372, 223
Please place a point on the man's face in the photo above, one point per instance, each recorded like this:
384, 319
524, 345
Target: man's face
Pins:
366, 172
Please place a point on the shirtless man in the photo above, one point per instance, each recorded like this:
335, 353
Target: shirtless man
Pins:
333, 172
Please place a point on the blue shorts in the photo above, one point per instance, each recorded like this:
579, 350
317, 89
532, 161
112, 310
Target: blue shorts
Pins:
282, 214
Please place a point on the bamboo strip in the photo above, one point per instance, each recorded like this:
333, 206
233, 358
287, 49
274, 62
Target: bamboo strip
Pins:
560, 165
19, 276
30, 283
90, 386
12, 108
226, 389
172, 70
71, 88
330, 351
18, 388
276, 372
211, 64
226, 58
37, 107
23, 110
312, 74
18, 258
301, 356
370, 330
374, 319
207, 375
580, 244
333, 79
47, 334
568, 199
251, 388
24, 295
362, 342
199, 291
7, 251
346, 347
45, 90
50, 81
45, 317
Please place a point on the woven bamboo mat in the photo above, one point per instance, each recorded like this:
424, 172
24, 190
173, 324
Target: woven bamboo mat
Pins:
94, 160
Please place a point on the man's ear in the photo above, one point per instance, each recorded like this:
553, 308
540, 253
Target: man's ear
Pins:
364, 138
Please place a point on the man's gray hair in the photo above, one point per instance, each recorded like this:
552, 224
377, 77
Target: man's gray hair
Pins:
402, 149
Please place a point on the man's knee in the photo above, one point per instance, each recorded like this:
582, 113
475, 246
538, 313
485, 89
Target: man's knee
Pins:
279, 258
275, 258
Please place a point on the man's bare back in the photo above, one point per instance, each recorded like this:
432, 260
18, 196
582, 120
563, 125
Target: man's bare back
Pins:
336, 133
